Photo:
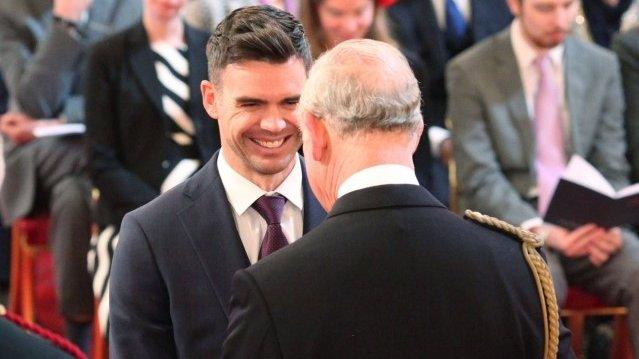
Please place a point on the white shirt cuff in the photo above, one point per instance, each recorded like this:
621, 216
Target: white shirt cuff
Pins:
437, 135
531, 223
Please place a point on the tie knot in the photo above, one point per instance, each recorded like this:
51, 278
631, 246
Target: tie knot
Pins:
270, 208
543, 62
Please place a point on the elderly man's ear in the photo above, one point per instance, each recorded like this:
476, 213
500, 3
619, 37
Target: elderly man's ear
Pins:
316, 134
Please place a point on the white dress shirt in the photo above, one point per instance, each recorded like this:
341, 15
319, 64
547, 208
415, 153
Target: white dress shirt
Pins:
436, 134
241, 194
377, 176
525, 55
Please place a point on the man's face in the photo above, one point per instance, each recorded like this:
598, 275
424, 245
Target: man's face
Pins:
254, 103
545, 23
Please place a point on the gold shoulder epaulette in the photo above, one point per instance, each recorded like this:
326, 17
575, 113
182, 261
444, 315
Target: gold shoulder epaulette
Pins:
545, 289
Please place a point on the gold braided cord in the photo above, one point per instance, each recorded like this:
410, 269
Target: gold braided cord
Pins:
541, 274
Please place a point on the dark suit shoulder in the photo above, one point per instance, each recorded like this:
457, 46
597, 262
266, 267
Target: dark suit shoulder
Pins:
520, 235
162, 208
478, 54
163, 211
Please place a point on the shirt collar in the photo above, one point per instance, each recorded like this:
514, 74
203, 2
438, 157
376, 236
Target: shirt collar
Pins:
377, 176
242, 193
526, 54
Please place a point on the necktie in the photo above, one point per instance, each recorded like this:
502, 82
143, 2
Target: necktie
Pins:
550, 159
270, 208
455, 24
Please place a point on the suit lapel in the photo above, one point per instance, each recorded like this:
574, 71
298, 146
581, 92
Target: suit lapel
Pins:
513, 91
142, 63
210, 226
575, 82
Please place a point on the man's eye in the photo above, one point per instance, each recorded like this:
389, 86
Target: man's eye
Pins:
248, 104
292, 102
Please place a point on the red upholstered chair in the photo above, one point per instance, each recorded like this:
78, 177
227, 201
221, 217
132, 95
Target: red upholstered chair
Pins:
579, 305
28, 236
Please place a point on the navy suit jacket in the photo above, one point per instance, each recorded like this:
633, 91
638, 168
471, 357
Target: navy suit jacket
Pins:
172, 270
417, 30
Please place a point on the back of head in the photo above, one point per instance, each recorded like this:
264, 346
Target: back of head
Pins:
259, 33
361, 86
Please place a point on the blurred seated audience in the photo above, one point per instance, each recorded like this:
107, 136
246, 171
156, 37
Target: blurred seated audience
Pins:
329, 22
146, 127
438, 30
626, 45
43, 45
521, 103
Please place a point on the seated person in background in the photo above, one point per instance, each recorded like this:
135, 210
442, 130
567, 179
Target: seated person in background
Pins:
172, 269
391, 273
626, 46
521, 104
43, 46
146, 128
438, 30
329, 22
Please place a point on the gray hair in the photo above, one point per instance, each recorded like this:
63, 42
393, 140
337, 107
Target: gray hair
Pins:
363, 85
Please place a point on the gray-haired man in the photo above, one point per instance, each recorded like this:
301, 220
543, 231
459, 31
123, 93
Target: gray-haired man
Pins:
391, 272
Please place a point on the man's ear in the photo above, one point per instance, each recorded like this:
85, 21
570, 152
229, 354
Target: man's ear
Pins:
209, 96
515, 7
318, 134
416, 136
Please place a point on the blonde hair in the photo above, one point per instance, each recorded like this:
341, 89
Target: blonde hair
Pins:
317, 39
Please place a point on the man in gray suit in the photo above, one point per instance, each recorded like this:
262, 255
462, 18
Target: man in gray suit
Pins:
626, 46
43, 45
521, 104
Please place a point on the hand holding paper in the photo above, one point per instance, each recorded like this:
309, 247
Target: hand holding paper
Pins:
584, 196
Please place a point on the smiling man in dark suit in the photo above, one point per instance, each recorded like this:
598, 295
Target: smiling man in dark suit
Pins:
171, 275
391, 273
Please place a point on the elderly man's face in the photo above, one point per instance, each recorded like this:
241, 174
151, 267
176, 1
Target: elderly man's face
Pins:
255, 105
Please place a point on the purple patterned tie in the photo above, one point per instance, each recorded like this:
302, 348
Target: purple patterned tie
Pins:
270, 208
550, 159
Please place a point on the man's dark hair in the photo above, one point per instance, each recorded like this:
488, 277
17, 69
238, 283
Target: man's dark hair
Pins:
261, 33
